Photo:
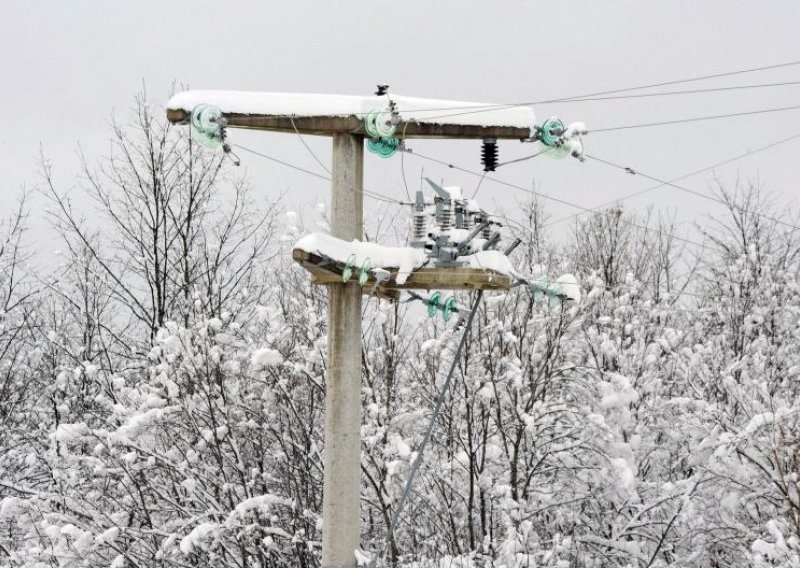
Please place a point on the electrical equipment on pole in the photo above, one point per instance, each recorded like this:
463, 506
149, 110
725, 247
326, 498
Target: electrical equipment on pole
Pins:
458, 252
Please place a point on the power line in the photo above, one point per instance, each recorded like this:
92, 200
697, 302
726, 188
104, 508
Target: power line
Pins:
281, 162
670, 93
403, 165
478, 108
368, 193
589, 96
498, 181
545, 196
522, 159
310, 151
627, 89
693, 119
693, 79
482, 175
693, 192
679, 178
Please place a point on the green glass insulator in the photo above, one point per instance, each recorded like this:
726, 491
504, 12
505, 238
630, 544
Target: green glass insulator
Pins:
433, 304
349, 266
207, 125
379, 124
449, 308
383, 147
550, 138
363, 276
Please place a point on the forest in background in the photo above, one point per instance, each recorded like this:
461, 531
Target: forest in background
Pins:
161, 388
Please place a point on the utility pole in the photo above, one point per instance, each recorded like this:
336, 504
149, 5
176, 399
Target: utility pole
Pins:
341, 490
324, 115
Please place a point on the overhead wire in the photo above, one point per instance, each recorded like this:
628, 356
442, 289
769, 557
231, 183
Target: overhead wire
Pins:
388, 199
694, 79
403, 163
310, 151
672, 93
692, 119
670, 296
734, 205
445, 270
542, 195
626, 89
368, 193
632, 171
478, 186
522, 159
506, 163
478, 108
281, 162
483, 176
453, 166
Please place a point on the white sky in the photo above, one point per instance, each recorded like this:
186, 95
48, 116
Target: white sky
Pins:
65, 66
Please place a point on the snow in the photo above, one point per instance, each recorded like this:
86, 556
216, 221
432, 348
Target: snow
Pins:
623, 414
203, 531
625, 475
404, 259
631, 547
9, 506
108, 536
266, 357
575, 129
412, 109
456, 235
397, 446
140, 422
455, 192
71, 432
569, 287
490, 260
758, 421
472, 206
262, 503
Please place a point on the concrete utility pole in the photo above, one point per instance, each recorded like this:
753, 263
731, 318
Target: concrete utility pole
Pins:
341, 491
324, 115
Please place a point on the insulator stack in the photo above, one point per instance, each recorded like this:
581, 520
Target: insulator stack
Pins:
419, 226
489, 154
418, 222
467, 219
486, 232
462, 219
446, 216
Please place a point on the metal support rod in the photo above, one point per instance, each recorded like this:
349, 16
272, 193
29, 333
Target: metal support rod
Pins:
378, 560
341, 515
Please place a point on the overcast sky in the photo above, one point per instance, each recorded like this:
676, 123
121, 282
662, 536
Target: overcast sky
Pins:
66, 66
